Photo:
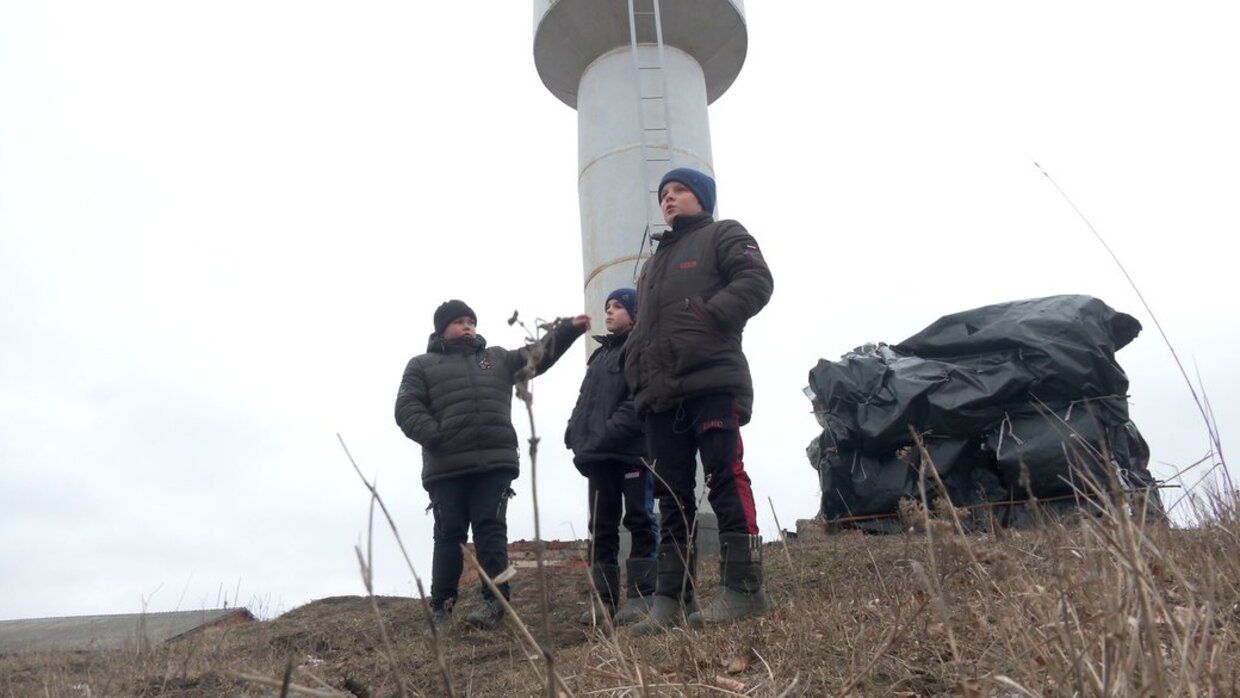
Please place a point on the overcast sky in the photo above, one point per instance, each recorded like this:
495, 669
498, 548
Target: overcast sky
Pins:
224, 227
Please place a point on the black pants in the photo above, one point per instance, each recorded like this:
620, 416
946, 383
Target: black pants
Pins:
618, 490
708, 426
478, 501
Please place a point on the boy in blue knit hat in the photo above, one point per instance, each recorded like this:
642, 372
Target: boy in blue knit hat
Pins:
693, 390
608, 447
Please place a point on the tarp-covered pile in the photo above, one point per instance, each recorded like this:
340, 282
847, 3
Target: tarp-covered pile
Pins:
1012, 400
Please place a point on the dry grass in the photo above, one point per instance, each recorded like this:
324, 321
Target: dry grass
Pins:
1103, 605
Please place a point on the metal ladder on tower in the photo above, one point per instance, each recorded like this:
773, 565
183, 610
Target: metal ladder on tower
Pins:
654, 119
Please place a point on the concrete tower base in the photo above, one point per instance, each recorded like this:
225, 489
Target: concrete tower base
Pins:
706, 542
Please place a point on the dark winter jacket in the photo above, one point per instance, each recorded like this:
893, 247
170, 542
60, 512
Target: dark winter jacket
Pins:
604, 426
704, 282
456, 401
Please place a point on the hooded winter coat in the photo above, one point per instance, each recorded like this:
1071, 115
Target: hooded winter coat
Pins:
604, 426
456, 401
704, 282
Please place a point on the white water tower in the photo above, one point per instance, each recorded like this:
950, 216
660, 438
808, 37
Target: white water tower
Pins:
640, 74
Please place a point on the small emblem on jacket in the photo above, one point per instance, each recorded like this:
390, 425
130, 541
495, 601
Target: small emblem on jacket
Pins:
484, 364
689, 264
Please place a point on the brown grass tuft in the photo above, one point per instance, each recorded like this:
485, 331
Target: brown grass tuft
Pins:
1104, 605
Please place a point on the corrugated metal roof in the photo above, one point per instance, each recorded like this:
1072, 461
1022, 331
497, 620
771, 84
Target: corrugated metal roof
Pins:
108, 632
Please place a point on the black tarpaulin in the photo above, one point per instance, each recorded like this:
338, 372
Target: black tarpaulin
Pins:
1013, 399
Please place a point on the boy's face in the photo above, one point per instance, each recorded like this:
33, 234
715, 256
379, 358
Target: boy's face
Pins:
617, 319
676, 199
463, 326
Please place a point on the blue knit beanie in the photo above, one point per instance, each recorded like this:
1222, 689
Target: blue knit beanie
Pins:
700, 183
627, 298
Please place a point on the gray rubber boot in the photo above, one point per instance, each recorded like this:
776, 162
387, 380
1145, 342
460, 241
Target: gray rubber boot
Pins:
673, 595
487, 616
441, 618
603, 596
640, 586
740, 575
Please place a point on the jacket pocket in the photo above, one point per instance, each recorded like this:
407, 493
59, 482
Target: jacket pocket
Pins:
635, 369
697, 309
698, 341
447, 437
616, 395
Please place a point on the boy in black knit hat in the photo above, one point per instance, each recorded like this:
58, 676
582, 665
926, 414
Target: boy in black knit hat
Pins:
608, 446
456, 401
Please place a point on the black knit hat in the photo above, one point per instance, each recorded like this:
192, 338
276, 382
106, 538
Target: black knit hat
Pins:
449, 311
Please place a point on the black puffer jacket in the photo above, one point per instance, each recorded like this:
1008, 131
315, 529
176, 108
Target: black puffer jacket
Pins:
704, 282
456, 401
604, 426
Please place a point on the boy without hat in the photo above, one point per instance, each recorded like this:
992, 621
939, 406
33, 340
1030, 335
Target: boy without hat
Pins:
607, 443
692, 387
456, 402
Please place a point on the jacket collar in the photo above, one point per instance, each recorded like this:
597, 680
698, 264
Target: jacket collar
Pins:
438, 345
611, 341
681, 226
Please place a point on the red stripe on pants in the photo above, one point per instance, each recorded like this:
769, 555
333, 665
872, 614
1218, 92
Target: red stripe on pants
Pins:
744, 491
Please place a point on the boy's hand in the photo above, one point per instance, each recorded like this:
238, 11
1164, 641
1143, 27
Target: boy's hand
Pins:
581, 322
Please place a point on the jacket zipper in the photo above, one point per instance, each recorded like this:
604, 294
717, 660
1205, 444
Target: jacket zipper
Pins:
472, 360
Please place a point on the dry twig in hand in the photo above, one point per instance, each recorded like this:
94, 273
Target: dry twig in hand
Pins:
536, 350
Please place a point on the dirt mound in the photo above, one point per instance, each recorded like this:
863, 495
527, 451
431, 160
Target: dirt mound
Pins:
927, 612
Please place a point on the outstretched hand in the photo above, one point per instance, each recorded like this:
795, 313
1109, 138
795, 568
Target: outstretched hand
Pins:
581, 322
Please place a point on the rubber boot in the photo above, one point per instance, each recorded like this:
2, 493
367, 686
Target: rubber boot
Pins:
441, 617
487, 616
603, 596
673, 594
640, 590
740, 575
